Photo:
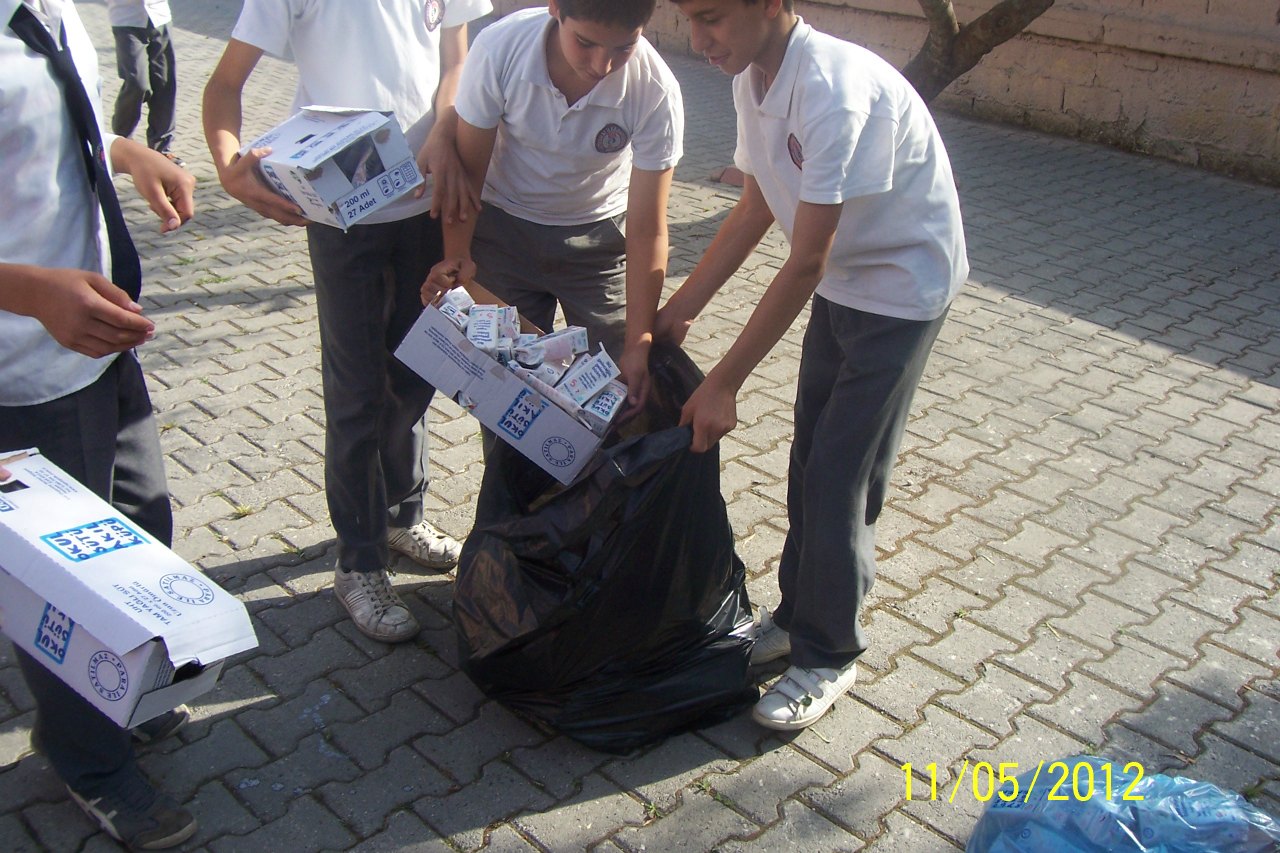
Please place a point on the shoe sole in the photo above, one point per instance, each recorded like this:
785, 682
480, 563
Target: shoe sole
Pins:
372, 636
171, 840
141, 740
438, 566
785, 725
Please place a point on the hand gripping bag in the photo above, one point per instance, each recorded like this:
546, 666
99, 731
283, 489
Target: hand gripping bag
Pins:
614, 609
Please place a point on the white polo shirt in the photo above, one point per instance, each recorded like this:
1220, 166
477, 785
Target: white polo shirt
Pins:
48, 215
382, 55
136, 13
841, 125
557, 164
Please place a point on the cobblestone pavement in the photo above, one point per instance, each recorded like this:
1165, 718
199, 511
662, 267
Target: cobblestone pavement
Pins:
1079, 552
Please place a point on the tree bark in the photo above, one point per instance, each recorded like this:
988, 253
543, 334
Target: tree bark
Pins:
951, 49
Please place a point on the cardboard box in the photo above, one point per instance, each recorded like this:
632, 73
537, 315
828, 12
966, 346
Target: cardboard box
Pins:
545, 433
338, 165
129, 624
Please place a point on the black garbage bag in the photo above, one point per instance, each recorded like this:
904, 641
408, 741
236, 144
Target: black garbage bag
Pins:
613, 609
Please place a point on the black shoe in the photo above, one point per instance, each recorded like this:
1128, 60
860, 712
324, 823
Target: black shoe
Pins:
161, 727
138, 816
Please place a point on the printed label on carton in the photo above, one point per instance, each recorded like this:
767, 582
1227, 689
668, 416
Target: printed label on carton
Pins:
108, 676
520, 416
54, 634
92, 540
584, 381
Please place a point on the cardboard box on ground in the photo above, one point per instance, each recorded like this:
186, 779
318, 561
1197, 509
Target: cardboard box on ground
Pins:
547, 397
129, 624
338, 165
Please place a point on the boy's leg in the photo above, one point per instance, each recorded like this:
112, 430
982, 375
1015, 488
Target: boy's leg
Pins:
591, 281
135, 85
164, 89
858, 374
510, 262
355, 300
100, 434
403, 441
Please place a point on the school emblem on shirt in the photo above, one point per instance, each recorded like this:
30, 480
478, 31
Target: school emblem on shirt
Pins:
796, 152
611, 139
434, 14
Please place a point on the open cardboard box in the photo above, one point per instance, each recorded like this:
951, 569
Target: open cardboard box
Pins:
129, 624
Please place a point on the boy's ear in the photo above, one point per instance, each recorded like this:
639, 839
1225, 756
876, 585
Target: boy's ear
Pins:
772, 8
553, 9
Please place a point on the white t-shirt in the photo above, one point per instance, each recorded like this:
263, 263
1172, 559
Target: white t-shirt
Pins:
136, 13
48, 215
360, 54
556, 164
839, 124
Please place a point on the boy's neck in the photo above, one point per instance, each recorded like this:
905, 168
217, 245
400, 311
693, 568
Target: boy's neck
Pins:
769, 59
562, 75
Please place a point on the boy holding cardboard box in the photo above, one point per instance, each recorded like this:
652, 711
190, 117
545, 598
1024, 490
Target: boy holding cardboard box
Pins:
573, 125
401, 56
69, 382
839, 149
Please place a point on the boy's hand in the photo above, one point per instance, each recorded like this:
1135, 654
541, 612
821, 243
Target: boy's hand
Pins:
86, 313
168, 188
668, 325
634, 365
4, 474
240, 180
445, 276
713, 412
452, 195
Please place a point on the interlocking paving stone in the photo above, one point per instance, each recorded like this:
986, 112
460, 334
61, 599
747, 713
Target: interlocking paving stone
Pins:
1084, 504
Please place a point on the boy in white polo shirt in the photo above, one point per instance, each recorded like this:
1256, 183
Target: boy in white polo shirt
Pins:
573, 124
402, 56
838, 149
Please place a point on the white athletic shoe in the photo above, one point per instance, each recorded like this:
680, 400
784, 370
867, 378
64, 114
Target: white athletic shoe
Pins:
801, 697
771, 641
424, 544
374, 606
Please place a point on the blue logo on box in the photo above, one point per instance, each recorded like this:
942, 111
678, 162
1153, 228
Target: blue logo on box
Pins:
54, 634
187, 589
108, 676
93, 540
5, 506
558, 451
523, 412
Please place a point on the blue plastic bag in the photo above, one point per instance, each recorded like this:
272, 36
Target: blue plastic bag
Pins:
1090, 805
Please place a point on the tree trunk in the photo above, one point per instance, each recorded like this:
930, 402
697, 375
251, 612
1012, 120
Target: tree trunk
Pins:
951, 49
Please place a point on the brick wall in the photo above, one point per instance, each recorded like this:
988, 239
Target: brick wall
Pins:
1197, 81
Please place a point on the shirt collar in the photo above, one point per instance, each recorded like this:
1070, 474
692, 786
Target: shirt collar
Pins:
777, 101
48, 12
609, 92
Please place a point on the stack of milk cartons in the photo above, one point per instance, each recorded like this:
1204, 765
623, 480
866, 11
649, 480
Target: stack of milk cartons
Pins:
559, 366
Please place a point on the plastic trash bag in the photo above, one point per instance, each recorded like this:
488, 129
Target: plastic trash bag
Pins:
613, 609
1101, 815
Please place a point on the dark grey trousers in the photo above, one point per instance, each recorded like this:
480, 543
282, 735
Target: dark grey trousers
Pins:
103, 436
148, 74
582, 267
858, 373
368, 286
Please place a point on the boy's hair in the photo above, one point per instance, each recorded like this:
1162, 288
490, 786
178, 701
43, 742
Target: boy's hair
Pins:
789, 5
628, 14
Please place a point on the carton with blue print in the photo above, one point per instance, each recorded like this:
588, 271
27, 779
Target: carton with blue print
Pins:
338, 165
116, 615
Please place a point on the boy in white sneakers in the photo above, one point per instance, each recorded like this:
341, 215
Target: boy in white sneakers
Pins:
839, 149
573, 125
147, 69
402, 56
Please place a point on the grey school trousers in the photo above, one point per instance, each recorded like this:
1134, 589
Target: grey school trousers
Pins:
368, 295
148, 74
582, 267
103, 436
858, 373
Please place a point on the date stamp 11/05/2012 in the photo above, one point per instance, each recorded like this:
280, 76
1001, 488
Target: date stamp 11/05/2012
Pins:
1063, 781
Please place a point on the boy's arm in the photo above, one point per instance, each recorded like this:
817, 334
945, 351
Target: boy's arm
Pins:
168, 188
712, 409
474, 148
82, 310
222, 115
737, 238
453, 196
647, 248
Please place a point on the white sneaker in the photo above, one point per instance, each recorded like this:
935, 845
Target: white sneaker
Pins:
801, 697
771, 641
374, 606
424, 544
